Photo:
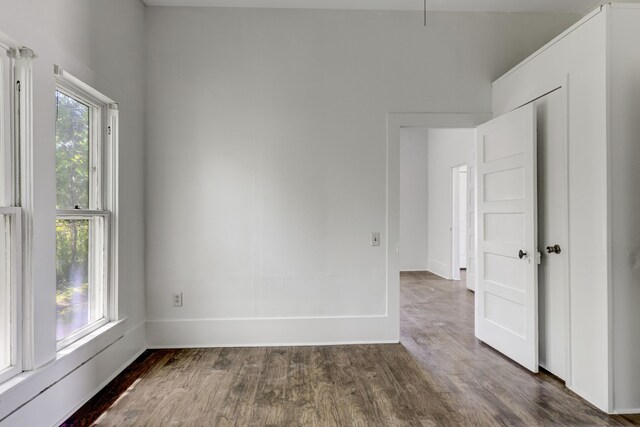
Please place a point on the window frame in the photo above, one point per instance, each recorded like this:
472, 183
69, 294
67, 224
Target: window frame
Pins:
7, 144
103, 120
9, 207
15, 292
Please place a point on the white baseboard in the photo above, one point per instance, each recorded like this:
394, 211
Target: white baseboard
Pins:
440, 269
55, 403
628, 411
271, 332
602, 405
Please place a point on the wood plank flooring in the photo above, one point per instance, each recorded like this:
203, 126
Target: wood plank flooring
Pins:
439, 375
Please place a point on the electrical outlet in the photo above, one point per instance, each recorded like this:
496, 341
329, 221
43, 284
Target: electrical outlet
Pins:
375, 239
177, 300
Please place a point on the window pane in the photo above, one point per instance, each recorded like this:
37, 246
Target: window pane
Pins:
5, 294
72, 153
79, 303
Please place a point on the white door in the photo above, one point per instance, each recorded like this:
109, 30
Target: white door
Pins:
506, 297
471, 227
553, 229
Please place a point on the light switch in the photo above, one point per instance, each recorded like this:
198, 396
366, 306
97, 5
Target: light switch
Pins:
375, 239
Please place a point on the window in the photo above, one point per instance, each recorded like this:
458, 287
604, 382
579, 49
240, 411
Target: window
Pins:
84, 139
10, 227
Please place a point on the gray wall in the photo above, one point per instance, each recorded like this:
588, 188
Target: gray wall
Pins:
414, 198
448, 148
266, 158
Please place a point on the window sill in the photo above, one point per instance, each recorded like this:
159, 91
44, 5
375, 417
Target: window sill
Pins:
80, 335
25, 386
95, 341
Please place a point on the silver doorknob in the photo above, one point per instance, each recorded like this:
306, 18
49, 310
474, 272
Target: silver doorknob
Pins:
555, 249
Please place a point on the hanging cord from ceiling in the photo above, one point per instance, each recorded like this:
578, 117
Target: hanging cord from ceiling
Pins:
425, 12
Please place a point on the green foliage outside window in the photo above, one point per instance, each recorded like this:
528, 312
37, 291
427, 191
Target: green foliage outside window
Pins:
72, 153
72, 182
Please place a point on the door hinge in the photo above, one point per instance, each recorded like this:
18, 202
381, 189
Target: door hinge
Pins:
538, 258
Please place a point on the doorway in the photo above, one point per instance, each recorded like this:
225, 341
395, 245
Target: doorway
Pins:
554, 334
459, 219
395, 123
433, 210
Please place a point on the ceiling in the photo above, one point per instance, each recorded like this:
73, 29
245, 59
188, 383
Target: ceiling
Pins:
571, 6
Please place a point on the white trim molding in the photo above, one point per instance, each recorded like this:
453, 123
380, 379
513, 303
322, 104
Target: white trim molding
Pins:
23, 134
267, 332
68, 80
15, 292
23, 53
567, 6
112, 196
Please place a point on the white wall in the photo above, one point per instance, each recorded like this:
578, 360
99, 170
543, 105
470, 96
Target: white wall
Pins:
448, 148
580, 57
413, 200
266, 158
101, 42
625, 207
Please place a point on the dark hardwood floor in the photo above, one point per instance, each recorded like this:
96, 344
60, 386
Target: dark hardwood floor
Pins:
439, 375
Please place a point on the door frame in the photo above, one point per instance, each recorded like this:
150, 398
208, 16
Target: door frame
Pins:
563, 87
455, 220
396, 121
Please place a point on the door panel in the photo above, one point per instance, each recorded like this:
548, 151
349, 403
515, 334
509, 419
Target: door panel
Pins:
553, 279
507, 288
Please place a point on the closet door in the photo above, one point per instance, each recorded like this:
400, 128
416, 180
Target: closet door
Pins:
507, 283
553, 232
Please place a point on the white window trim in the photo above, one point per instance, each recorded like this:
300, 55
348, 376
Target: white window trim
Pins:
15, 273
14, 153
105, 187
23, 186
8, 155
